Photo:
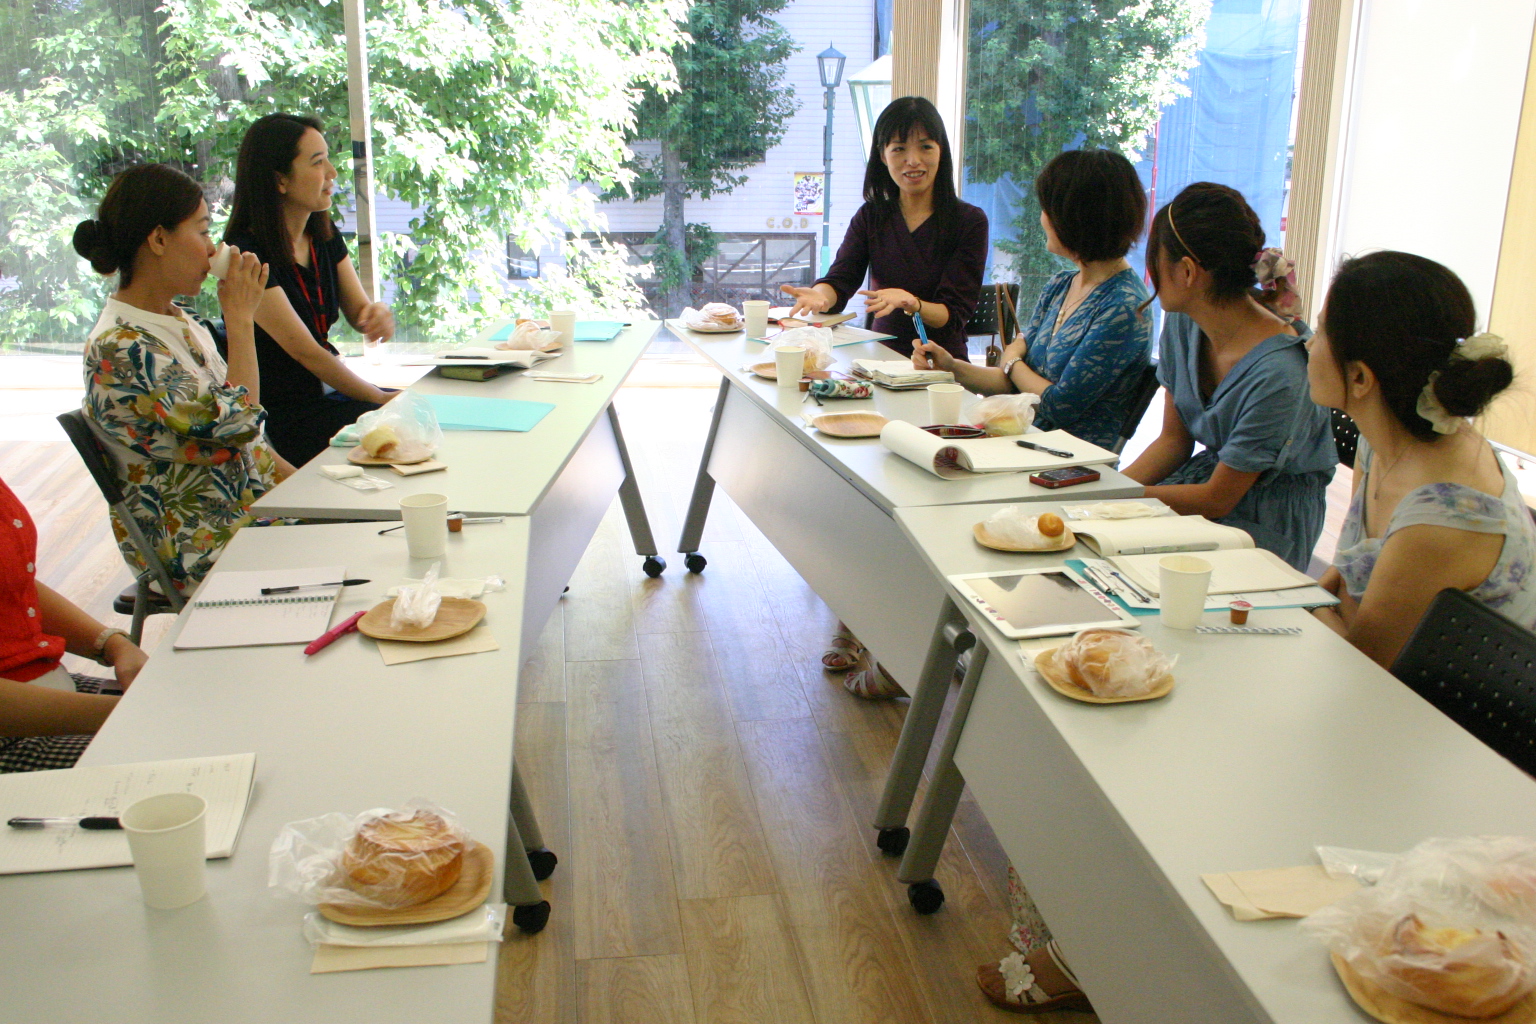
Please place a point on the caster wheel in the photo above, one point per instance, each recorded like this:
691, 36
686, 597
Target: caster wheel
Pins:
695, 562
893, 841
567, 590
543, 863
654, 565
532, 918
925, 897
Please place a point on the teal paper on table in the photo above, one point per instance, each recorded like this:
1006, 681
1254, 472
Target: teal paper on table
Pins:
597, 330
459, 412
504, 333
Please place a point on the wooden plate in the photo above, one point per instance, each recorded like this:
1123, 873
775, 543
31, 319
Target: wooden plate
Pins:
988, 540
1057, 678
717, 330
471, 890
406, 453
1384, 1006
455, 615
767, 371
850, 424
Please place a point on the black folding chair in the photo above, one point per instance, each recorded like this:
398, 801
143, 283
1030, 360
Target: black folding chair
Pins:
994, 319
1480, 669
1346, 436
140, 600
1141, 401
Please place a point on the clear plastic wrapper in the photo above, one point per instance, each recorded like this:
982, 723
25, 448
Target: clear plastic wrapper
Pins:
1365, 866
408, 417
466, 588
483, 924
416, 604
532, 336
1016, 525
1116, 510
354, 477
1005, 415
713, 315
1114, 662
817, 342
1450, 925
382, 858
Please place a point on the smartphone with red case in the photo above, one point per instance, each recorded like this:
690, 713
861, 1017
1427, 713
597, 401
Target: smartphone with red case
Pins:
1064, 477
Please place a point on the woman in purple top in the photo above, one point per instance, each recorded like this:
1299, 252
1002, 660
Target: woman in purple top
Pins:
924, 250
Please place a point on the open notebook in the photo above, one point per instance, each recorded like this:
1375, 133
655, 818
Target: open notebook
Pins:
1233, 571
229, 609
1158, 535
108, 790
953, 459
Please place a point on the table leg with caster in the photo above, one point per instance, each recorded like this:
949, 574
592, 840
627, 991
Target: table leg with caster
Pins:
541, 860
703, 491
530, 910
951, 638
938, 812
634, 506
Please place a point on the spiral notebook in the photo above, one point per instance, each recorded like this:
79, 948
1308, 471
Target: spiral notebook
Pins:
229, 609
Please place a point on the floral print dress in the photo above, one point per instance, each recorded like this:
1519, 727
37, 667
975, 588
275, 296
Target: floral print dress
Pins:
190, 450
1509, 587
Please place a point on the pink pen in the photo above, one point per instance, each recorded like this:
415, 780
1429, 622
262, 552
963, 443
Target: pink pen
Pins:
331, 636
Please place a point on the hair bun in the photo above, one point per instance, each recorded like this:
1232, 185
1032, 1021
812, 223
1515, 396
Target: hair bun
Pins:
93, 241
1466, 386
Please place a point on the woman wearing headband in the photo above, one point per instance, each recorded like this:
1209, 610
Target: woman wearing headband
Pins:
1088, 342
1235, 370
1434, 506
281, 212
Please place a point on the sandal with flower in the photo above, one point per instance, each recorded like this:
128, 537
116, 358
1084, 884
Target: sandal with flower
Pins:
872, 682
1010, 984
843, 652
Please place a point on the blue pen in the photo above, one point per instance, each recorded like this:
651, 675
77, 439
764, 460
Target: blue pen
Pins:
922, 331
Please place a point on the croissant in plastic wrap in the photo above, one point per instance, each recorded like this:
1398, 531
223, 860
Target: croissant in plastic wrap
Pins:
1114, 663
531, 335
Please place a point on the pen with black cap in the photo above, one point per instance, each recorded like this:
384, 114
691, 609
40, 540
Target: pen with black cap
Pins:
93, 823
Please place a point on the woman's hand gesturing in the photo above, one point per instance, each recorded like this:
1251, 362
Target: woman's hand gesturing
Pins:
807, 300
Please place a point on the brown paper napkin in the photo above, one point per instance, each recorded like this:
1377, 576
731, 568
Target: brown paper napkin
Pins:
329, 959
476, 641
1278, 892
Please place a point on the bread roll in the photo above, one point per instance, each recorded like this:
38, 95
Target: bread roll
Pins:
380, 441
400, 860
1050, 525
1113, 663
1461, 971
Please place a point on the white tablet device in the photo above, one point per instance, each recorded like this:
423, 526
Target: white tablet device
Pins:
1041, 602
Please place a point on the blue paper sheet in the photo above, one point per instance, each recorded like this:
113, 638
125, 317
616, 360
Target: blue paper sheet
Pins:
459, 412
597, 330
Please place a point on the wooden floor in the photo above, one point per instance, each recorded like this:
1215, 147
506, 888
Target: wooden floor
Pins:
707, 787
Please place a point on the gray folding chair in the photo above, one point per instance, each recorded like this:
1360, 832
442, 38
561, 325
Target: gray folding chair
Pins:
140, 600
1141, 400
1480, 669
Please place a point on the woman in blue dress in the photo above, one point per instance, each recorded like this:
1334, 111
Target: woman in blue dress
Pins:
1235, 370
1088, 340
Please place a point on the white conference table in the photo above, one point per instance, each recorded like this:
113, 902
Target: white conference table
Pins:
827, 504
1267, 747
338, 731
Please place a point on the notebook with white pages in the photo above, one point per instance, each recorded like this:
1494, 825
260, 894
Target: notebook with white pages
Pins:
468, 356
953, 459
1158, 535
229, 609
899, 374
1233, 571
108, 790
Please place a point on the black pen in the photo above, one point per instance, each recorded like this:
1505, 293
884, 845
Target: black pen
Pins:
95, 824
265, 591
1049, 451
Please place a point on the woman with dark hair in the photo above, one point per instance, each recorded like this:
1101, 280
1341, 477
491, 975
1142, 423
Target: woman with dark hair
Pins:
924, 250
1434, 506
1235, 370
183, 426
283, 183
1088, 340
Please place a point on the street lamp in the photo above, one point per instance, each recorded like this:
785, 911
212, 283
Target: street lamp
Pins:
871, 92
830, 63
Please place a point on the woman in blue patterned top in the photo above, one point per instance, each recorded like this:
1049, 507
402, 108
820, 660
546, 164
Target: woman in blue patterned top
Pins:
1088, 342
1434, 505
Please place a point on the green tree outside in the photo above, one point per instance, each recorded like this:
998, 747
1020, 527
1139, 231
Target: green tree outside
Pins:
1049, 75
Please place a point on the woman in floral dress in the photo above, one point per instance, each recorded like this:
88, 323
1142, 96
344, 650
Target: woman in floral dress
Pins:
183, 427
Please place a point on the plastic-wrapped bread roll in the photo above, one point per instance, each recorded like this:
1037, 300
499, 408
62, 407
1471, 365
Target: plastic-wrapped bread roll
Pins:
400, 859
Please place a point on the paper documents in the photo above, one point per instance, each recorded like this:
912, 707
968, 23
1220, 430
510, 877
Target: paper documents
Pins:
1232, 572
899, 374
229, 609
463, 412
1158, 535
108, 790
1278, 892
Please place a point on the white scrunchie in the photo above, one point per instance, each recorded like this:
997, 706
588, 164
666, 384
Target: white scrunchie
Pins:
1474, 349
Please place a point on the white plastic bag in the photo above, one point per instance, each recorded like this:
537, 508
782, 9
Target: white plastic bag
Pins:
1015, 525
467, 588
1004, 415
321, 860
817, 342
1450, 926
411, 417
416, 604
532, 336
1116, 510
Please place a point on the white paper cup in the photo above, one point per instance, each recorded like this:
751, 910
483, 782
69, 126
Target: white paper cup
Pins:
563, 321
166, 835
426, 524
789, 365
1182, 583
944, 403
755, 312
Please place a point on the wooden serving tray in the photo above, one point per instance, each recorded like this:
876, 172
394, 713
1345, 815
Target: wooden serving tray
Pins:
988, 540
1389, 1009
850, 424
455, 615
405, 453
471, 890
1058, 680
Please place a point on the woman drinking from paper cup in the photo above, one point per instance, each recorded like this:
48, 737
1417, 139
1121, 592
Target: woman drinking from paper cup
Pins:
283, 194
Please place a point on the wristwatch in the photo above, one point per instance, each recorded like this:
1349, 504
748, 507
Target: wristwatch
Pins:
101, 644
1008, 371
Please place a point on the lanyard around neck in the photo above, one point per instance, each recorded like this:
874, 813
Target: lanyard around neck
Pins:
317, 312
